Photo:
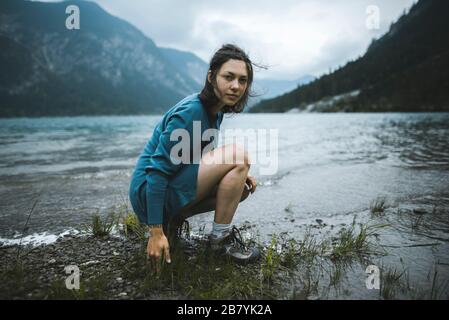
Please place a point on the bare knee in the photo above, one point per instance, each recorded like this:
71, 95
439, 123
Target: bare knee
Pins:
240, 157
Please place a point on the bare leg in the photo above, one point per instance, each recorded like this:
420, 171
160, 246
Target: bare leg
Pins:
229, 193
208, 204
221, 180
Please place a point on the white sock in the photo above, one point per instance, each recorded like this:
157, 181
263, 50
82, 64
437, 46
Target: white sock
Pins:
219, 230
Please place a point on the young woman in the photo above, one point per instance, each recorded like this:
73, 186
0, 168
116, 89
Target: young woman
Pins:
164, 192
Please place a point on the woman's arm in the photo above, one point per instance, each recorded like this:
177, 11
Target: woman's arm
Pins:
161, 167
159, 170
157, 246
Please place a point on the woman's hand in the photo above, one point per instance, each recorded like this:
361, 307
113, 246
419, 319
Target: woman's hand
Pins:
158, 247
251, 183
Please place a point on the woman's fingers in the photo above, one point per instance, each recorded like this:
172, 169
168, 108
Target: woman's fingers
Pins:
156, 258
167, 254
155, 263
153, 256
152, 262
252, 183
249, 184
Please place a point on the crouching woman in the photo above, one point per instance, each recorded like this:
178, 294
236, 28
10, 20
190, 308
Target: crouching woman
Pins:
164, 192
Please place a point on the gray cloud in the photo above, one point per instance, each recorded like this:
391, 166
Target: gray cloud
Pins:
293, 37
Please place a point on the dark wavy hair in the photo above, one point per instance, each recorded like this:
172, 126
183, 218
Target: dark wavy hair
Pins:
223, 55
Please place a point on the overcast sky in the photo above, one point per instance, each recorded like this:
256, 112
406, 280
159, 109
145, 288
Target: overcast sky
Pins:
292, 37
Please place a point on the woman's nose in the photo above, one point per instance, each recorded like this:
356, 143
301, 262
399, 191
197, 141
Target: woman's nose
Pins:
235, 84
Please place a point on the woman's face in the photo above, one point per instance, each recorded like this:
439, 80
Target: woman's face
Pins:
231, 82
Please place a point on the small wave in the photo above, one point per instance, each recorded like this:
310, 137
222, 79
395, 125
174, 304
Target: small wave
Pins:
36, 239
273, 180
101, 175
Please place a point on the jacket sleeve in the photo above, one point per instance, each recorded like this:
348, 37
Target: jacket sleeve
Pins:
161, 167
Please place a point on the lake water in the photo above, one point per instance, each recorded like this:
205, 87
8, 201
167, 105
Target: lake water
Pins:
329, 167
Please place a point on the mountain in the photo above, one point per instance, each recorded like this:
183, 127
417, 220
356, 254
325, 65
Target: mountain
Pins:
188, 63
106, 67
406, 70
269, 88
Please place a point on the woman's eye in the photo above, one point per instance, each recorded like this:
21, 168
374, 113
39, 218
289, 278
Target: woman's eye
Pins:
242, 81
229, 78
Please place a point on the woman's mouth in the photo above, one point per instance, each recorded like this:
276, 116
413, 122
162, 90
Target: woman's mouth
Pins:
232, 96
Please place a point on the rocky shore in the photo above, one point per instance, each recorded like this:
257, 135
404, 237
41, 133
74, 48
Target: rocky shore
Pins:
116, 267
104, 267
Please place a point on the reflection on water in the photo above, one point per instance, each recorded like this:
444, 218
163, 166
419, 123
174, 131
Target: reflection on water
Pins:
418, 143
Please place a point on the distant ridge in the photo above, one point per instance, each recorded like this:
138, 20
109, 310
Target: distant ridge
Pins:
406, 70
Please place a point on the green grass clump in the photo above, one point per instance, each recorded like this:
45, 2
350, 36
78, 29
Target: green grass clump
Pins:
100, 228
201, 275
391, 282
272, 259
351, 243
15, 281
133, 227
378, 206
310, 248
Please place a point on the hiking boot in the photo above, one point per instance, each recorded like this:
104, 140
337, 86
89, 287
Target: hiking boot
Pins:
231, 245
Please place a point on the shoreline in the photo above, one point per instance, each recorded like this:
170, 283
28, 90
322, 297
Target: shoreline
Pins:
112, 265
38, 272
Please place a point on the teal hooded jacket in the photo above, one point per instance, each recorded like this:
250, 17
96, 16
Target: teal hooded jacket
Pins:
159, 185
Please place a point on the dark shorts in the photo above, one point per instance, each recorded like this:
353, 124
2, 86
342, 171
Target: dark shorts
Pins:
181, 191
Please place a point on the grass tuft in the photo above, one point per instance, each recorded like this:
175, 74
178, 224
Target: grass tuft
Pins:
351, 243
100, 228
378, 206
133, 227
